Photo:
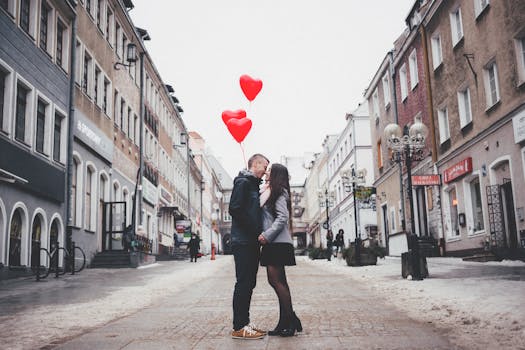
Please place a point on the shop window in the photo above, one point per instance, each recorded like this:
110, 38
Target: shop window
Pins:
15, 239
477, 208
453, 210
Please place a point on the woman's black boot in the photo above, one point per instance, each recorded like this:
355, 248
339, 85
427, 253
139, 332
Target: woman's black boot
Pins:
298, 325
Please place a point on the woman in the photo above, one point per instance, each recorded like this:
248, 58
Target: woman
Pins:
278, 251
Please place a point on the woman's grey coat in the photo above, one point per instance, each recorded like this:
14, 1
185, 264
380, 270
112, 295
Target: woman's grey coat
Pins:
276, 229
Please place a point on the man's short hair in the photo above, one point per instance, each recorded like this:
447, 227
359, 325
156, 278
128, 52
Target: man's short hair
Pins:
256, 157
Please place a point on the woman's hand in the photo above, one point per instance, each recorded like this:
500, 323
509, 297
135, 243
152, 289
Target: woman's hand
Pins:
262, 240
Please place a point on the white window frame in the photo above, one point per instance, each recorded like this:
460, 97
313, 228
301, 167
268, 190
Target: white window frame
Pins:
30, 103
449, 233
11, 8
109, 96
437, 51
110, 32
386, 90
519, 45
33, 18
63, 134
118, 39
47, 123
51, 28
456, 26
488, 87
9, 102
465, 109
79, 58
480, 6
91, 225
444, 125
90, 74
412, 66
469, 205
403, 82
66, 37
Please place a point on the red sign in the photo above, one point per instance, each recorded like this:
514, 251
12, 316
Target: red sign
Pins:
426, 180
457, 170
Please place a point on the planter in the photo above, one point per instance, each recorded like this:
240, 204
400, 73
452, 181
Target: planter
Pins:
365, 259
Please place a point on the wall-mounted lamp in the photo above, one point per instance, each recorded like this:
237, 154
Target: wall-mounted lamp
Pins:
131, 57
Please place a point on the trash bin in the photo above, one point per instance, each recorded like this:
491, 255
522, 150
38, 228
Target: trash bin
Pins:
414, 262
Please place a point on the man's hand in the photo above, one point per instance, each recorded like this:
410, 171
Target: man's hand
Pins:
262, 240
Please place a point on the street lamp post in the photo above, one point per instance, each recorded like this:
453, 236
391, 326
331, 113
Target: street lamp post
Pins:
407, 145
353, 178
326, 200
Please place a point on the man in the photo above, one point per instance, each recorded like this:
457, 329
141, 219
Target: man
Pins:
246, 226
194, 246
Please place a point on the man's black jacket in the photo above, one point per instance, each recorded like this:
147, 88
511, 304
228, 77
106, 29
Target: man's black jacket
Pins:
245, 209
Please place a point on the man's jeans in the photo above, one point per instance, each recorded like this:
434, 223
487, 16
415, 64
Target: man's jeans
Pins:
246, 266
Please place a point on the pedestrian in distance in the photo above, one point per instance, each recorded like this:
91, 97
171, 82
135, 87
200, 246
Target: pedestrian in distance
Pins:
277, 245
329, 244
245, 211
194, 246
339, 241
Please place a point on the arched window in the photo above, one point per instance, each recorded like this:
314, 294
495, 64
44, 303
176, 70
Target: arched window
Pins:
36, 235
53, 235
87, 209
15, 239
74, 181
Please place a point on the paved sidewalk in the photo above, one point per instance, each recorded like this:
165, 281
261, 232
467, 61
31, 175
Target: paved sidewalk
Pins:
336, 314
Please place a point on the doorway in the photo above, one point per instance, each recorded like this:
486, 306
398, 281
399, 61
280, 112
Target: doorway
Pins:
508, 213
421, 205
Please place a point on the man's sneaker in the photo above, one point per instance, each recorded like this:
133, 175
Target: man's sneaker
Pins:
255, 328
247, 332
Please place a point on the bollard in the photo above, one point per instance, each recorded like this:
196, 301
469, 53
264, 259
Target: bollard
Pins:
212, 251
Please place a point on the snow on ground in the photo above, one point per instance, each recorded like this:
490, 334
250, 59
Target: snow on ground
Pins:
480, 305
26, 331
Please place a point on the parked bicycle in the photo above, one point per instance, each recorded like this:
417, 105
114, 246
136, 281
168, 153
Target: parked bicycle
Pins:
60, 261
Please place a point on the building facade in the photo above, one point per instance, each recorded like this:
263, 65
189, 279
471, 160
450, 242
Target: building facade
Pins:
35, 73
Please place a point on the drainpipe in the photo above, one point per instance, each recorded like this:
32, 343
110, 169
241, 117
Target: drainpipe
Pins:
71, 128
141, 138
396, 120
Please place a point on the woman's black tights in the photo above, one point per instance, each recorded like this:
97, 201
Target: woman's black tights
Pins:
277, 279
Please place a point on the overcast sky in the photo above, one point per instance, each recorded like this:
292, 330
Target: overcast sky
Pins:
315, 58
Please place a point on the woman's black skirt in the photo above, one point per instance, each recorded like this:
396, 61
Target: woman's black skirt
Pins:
277, 254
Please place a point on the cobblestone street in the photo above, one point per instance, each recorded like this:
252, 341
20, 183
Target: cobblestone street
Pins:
336, 314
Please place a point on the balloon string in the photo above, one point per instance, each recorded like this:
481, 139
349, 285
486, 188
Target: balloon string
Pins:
243, 155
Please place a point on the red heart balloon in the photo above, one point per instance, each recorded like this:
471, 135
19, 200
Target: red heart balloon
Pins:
239, 128
238, 114
250, 86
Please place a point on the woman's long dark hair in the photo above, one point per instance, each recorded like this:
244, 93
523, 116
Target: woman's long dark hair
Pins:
279, 182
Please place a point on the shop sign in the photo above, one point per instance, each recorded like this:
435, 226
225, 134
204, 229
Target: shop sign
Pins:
457, 170
184, 227
518, 124
91, 135
149, 192
165, 195
426, 180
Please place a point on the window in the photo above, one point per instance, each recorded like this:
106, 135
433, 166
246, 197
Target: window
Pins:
4, 4
116, 107
437, 53
41, 108
465, 111
479, 6
375, 101
23, 95
124, 45
453, 210
74, 181
386, 89
412, 66
58, 138
456, 25
110, 27
122, 113
86, 76
491, 84
403, 84
25, 15
105, 93
100, 20
519, 45
444, 130
96, 96
129, 123
118, 40
89, 7
78, 62
45, 30
89, 186
61, 50
4, 97
477, 209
